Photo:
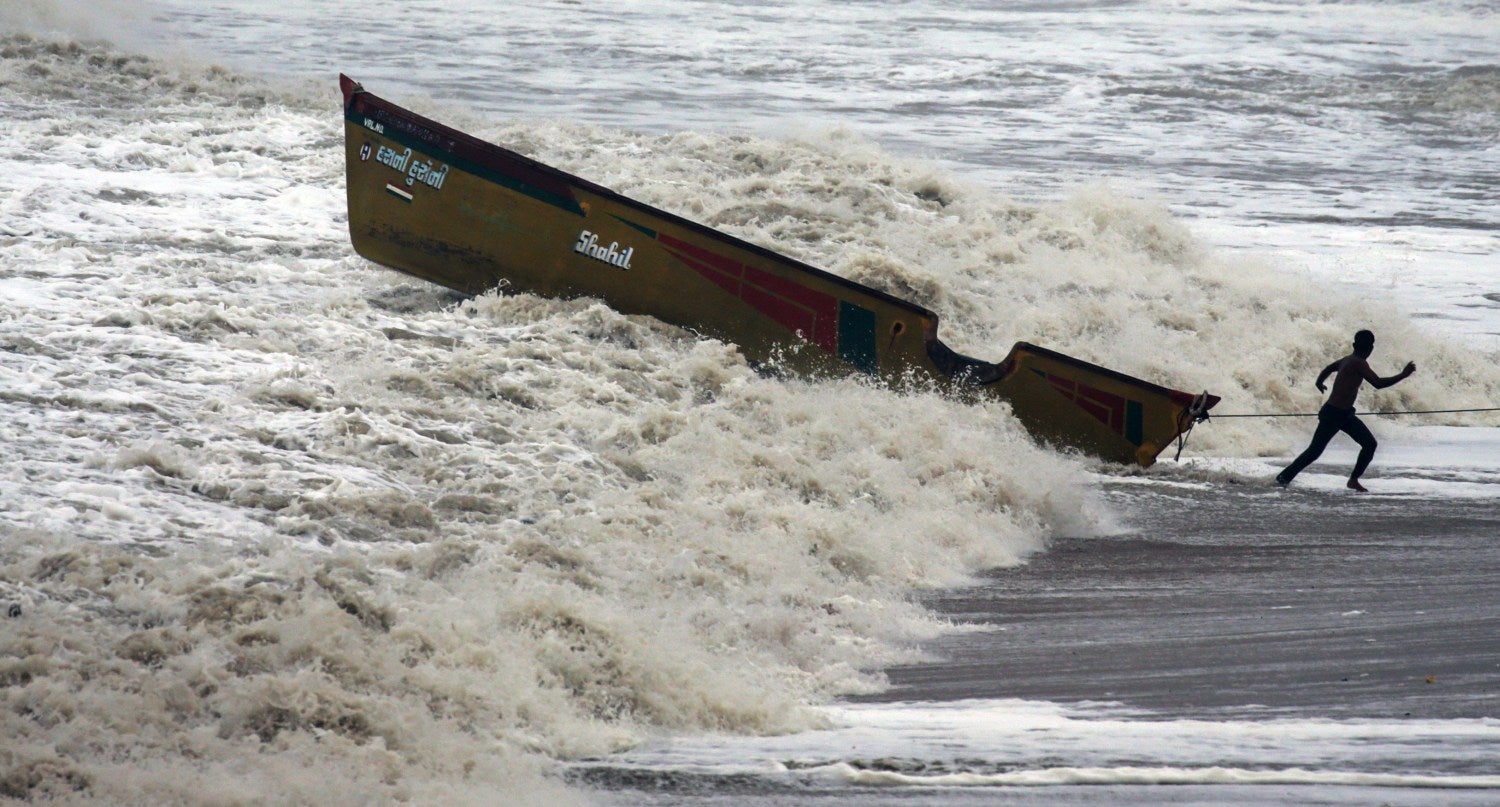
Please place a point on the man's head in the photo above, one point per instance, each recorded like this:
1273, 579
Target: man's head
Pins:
1364, 343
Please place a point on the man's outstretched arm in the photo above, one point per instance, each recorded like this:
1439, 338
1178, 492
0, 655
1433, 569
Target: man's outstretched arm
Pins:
1381, 383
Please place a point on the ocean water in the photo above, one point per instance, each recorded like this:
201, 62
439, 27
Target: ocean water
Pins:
280, 526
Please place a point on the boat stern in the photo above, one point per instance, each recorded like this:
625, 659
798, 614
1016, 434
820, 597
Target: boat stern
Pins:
1073, 403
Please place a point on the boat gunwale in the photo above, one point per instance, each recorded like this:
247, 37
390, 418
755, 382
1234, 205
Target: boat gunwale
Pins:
1176, 395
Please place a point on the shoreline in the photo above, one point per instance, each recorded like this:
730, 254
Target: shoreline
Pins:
1243, 599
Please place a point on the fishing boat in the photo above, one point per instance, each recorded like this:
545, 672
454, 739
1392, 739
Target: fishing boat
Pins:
432, 202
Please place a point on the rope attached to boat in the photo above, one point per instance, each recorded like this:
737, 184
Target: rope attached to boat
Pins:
1196, 414
1190, 417
1362, 414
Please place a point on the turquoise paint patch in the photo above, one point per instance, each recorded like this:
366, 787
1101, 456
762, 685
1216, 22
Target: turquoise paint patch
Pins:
1134, 417
857, 337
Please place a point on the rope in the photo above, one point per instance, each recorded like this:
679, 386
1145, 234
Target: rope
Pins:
1213, 415
1197, 413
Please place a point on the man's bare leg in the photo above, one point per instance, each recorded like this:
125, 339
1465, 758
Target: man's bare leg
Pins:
1361, 434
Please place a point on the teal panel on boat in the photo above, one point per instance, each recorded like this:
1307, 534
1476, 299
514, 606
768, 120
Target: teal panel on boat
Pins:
857, 337
1134, 428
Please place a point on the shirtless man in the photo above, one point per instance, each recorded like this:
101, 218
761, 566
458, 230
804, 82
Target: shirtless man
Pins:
1338, 414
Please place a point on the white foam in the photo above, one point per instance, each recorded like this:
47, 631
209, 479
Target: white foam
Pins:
1009, 743
275, 498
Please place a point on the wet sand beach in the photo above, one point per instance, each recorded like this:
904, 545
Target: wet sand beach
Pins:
1243, 600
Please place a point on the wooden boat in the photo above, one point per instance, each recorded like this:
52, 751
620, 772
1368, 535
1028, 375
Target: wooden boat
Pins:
441, 205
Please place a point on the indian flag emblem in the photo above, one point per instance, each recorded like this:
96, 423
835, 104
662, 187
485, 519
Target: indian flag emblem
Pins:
398, 193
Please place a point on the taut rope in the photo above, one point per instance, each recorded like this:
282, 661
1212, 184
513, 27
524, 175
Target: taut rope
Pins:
1196, 414
1210, 416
